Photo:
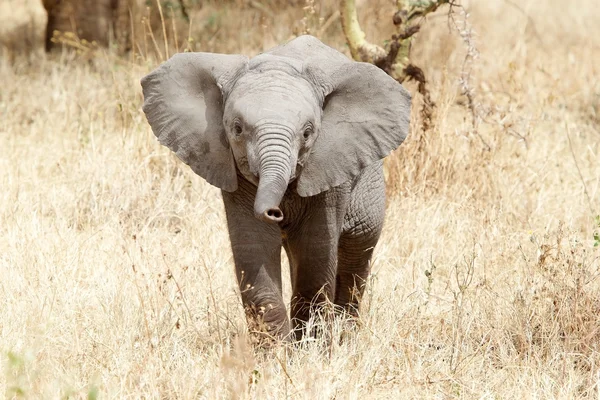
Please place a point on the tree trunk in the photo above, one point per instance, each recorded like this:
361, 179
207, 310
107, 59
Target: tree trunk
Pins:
99, 22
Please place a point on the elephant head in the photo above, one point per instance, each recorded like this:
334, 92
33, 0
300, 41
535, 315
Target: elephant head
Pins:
301, 111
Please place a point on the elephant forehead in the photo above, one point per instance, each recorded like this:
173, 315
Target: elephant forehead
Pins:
269, 62
273, 108
272, 81
274, 95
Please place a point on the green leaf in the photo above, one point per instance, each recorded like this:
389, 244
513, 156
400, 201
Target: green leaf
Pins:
597, 233
14, 360
93, 393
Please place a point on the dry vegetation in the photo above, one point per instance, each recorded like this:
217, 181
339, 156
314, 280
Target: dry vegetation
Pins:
117, 281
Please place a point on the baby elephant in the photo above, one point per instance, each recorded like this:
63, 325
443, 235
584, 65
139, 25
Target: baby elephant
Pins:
295, 138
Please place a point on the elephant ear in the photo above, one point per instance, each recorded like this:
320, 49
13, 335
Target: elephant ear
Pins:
183, 103
366, 114
365, 117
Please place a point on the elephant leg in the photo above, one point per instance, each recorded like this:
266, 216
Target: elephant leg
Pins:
313, 265
362, 228
288, 252
354, 266
256, 248
313, 257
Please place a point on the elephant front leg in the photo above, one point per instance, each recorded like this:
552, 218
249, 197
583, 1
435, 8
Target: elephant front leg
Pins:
314, 261
256, 248
313, 252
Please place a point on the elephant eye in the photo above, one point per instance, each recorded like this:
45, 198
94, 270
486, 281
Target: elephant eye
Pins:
237, 128
307, 132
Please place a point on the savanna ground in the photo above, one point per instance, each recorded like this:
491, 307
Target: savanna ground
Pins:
116, 277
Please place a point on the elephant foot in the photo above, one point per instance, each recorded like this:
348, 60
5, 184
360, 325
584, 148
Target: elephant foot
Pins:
312, 318
267, 325
350, 322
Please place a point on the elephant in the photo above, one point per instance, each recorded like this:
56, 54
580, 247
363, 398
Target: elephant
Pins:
295, 139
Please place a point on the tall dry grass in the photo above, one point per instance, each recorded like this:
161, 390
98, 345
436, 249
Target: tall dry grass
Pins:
116, 276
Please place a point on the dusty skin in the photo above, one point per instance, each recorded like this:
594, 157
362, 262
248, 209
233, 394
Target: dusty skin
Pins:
117, 279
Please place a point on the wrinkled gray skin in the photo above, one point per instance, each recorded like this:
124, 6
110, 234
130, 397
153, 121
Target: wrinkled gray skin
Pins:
295, 139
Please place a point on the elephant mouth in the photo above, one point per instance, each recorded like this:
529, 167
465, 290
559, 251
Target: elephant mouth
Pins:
243, 169
297, 171
250, 177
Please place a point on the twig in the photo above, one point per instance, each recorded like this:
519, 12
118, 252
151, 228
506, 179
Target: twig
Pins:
587, 194
529, 19
151, 33
289, 378
334, 17
170, 275
184, 12
466, 34
164, 29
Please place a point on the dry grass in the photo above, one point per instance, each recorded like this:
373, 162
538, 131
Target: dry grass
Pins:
117, 281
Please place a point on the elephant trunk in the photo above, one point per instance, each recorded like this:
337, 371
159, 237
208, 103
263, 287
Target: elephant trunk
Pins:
275, 169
